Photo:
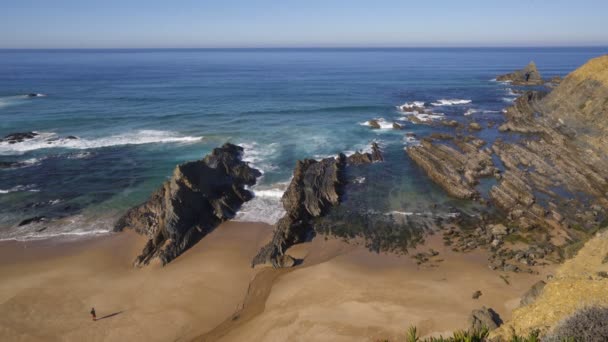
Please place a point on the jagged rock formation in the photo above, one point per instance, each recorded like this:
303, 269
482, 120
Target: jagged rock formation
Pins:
315, 187
366, 158
456, 171
199, 196
526, 76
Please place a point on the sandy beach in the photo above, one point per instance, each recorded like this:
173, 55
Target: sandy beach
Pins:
340, 292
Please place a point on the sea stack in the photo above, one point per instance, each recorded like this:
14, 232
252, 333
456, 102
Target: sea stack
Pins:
198, 197
524, 77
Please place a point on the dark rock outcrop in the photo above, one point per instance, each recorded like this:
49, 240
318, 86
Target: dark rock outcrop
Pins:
198, 197
31, 220
358, 158
526, 76
484, 317
316, 186
14, 138
374, 124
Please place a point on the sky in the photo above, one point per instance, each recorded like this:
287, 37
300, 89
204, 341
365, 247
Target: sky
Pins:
302, 23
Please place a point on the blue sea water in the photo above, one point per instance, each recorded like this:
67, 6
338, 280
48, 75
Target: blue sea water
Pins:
138, 113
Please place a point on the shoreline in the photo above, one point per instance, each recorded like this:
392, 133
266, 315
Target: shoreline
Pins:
340, 292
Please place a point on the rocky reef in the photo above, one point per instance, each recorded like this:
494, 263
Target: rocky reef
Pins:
14, 138
198, 197
550, 166
526, 76
315, 188
455, 168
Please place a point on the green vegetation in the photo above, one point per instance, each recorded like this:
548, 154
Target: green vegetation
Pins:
473, 335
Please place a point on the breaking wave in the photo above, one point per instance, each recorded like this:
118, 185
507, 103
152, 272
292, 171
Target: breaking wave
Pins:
450, 102
45, 140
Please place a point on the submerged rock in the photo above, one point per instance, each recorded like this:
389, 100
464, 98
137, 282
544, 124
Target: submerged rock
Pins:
315, 187
31, 220
374, 124
198, 197
14, 138
526, 76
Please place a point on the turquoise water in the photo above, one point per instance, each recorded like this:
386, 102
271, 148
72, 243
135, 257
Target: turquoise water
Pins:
137, 113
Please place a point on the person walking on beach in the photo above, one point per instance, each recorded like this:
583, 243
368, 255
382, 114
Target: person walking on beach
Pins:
93, 314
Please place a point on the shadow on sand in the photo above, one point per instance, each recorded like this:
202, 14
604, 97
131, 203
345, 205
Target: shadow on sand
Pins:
110, 315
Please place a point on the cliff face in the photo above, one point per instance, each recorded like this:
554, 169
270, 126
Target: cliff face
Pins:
200, 195
579, 281
580, 104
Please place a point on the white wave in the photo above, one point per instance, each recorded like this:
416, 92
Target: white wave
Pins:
410, 106
381, 122
20, 188
46, 140
265, 206
6, 101
470, 111
359, 180
424, 117
269, 193
80, 155
260, 156
411, 141
510, 92
428, 214
491, 111
451, 102
508, 99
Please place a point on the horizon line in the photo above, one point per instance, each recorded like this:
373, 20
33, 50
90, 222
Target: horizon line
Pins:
313, 47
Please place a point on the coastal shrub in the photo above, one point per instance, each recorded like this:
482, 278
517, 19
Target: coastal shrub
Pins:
587, 324
474, 335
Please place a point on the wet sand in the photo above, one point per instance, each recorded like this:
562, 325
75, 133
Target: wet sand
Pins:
340, 292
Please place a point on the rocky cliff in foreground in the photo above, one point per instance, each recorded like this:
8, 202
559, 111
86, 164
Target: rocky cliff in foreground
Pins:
579, 282
198, 197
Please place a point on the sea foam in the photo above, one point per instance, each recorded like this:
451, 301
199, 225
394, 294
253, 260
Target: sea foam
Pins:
45, 140
450, 102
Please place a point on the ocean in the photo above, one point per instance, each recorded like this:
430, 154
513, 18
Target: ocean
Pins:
112, 124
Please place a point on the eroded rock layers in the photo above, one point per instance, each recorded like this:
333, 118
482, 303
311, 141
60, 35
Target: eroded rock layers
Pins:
199, 196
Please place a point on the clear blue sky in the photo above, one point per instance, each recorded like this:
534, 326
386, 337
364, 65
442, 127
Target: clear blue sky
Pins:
301, 23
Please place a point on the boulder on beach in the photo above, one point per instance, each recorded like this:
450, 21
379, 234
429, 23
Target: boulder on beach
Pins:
198, 197
484, 317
